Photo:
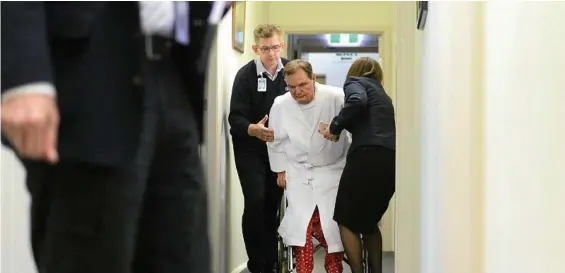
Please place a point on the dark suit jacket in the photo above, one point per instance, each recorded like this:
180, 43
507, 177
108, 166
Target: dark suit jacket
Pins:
91, 51
368, 114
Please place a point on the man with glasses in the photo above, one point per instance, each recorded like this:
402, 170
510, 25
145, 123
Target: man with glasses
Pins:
308, 166
255, 87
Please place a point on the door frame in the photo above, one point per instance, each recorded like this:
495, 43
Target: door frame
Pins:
321, 76
385, 46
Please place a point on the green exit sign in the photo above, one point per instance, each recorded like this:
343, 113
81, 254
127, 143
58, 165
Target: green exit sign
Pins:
335, 38
353, 38
344, 39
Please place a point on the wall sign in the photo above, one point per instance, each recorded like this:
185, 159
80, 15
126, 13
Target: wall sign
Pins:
421, 14
346, 56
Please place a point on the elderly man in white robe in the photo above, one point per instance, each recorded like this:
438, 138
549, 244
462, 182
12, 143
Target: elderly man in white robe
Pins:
307, 165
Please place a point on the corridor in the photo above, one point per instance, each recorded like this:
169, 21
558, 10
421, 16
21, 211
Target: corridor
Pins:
478, 97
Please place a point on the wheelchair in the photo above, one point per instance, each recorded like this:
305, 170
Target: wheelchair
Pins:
286, 258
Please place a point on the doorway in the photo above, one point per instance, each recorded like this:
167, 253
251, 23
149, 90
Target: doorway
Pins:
321, 78
331, 55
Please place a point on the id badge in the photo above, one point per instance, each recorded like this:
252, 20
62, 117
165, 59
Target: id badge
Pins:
261, 85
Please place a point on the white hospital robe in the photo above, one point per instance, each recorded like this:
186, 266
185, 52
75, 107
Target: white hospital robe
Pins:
313, 164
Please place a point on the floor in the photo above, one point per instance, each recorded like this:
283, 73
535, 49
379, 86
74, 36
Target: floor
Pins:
388, 263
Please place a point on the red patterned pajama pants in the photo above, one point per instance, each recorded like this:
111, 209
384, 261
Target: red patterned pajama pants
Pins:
305, 255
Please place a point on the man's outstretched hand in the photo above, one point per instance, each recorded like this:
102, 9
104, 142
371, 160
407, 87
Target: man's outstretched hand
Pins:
31, 123
261, 132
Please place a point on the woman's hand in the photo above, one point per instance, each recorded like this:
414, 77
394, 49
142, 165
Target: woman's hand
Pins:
327, 135
281, 180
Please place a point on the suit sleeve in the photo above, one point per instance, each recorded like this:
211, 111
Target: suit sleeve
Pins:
25, 48
227, 6
339, 101
240, 105
277, 155
355, 102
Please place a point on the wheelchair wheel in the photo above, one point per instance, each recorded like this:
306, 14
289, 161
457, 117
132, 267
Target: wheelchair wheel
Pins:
366, 262
283, 268
282, 265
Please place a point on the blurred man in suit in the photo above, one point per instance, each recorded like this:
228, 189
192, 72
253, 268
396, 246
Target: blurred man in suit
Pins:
99, 101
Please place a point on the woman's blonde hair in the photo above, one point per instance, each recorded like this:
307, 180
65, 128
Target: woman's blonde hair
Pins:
366, 67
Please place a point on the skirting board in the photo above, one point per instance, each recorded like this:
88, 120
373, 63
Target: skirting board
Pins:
242, 268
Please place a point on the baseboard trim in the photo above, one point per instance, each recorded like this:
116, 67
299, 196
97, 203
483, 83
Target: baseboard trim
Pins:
242, 268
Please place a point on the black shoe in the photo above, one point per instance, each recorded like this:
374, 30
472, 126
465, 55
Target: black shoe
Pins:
254, 267
270, 269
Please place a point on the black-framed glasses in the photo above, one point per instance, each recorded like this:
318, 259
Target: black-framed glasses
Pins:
267, 49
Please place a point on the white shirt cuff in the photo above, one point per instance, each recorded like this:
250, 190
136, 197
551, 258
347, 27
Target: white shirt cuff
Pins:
31, 88
217, 12
278, 161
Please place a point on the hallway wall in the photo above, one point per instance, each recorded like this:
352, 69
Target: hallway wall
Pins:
15, 247
408, 55
492, 131
451, 116
524, 128
229, 62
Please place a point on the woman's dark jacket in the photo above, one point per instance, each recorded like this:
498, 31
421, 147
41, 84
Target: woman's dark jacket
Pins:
368, 114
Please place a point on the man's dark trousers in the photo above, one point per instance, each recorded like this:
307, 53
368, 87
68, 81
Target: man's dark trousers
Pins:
262, 199
147, 216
